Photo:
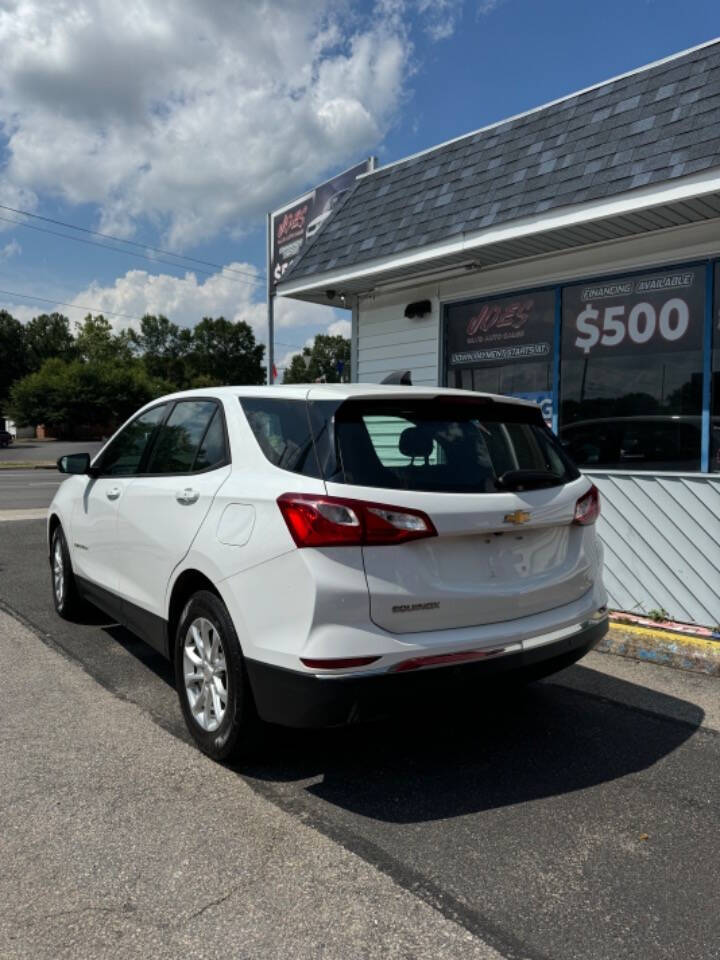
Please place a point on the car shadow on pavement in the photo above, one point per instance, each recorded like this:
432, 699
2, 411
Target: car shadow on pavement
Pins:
141, 651
449, 759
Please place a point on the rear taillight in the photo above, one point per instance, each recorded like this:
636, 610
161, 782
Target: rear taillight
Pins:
587, 509
319, 521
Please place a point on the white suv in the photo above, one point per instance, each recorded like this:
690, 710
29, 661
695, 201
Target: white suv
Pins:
306, 554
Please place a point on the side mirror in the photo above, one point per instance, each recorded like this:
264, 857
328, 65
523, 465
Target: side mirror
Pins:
74, 463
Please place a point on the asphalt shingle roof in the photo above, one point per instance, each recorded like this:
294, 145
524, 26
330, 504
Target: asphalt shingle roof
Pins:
654, 125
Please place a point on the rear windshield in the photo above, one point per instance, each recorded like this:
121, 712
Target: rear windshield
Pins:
435, 445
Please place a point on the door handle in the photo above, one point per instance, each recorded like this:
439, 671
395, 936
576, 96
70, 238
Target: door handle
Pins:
187, 496
113, 493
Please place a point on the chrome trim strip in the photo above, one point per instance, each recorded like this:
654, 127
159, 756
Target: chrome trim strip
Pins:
506, 649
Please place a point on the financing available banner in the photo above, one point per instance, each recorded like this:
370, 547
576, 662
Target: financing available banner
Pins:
294, 225
655, 313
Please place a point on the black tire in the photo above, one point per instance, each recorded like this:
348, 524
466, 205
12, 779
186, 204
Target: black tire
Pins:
66, 598
240, 732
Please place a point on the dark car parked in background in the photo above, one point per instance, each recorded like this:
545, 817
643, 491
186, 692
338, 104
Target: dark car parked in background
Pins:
644, 443
6, 438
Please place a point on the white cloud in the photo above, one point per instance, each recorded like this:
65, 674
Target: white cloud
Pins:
17, 198
295, 313
442, 17
12, 249
22, 312
487, 6
186, 300
198, 115
340, 328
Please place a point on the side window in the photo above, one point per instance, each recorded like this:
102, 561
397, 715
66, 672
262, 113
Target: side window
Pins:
122, 458
179, 438
282, 431
212, 452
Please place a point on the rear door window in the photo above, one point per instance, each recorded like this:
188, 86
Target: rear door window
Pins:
213, 450
183, 437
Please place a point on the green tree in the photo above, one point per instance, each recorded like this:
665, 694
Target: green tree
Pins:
97, 342
328, 360
13, 354
46, 336
164, 349
224, 352
68, 395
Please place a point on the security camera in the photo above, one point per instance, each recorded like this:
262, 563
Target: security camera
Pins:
420, 308
330, 294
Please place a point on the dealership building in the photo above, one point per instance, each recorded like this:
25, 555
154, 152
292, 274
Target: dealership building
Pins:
569, 255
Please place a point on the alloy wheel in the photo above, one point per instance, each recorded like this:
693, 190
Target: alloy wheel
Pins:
205, 674
59, 572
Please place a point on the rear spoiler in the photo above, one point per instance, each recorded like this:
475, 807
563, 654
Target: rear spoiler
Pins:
398, 378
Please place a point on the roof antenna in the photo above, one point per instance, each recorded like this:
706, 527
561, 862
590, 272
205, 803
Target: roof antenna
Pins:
398, 378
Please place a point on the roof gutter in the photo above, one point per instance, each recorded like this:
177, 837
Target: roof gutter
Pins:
643, 198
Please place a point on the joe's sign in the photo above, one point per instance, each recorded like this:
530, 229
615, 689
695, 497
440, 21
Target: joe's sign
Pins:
502, 330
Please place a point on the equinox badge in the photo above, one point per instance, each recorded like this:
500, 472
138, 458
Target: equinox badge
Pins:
520, 516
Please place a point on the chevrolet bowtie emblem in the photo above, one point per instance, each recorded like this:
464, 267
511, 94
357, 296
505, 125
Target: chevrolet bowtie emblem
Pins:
520, 516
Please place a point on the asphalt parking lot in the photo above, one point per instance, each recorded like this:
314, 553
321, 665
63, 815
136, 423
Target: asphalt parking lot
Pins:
575, 819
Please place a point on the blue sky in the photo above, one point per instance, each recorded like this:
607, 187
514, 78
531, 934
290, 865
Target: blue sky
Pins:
178, 129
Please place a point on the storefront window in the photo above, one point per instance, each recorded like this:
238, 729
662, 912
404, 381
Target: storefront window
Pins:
715, 403
631, 371
503, 345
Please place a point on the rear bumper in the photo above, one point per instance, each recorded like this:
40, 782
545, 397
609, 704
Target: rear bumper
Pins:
296, 699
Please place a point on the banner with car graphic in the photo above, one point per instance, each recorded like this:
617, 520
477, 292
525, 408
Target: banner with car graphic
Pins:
293, 225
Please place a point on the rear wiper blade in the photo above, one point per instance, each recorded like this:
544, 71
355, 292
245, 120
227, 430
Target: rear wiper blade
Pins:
527, 479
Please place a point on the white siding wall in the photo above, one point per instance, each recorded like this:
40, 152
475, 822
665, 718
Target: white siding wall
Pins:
388, 341
662, 543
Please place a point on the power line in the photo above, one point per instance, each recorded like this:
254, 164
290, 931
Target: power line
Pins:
127, 253
95, 310
76, 306
133, 243
284, 343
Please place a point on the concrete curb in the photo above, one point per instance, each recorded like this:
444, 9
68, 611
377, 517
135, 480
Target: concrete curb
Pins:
28, 465
39, 513
664, 647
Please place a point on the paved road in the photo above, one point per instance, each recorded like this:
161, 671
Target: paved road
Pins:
23, 450
34, 489
28, 489
577, 819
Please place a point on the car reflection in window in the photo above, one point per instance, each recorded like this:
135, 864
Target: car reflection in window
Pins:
649, 443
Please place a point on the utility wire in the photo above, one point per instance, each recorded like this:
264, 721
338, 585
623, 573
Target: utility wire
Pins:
284, 343
127, 253
95, 310
76, 306
133, 243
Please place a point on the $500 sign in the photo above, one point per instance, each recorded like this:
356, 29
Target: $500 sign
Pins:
659, 312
